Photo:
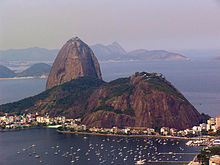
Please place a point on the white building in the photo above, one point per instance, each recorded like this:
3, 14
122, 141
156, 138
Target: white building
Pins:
211, 121
217, 122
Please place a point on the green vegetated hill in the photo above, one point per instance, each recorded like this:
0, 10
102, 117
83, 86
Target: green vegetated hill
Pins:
6, 72
36, 70
142, 100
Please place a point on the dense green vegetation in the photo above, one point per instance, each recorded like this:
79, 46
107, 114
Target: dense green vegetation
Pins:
160, 85
36, 70
117, 88
204, 118
120, 81
6, 72
157, 81
23, 104
217, 133
58, 97
205, 154
72, 97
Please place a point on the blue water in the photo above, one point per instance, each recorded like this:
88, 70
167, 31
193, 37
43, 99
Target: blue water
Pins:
16, 89
90, 150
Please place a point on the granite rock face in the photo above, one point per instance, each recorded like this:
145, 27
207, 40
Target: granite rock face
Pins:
74, 60
142, 100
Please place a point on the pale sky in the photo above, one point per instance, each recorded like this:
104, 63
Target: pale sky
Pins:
149, 24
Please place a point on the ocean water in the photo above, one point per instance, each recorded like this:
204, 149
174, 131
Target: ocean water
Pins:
56, 149
197, 80
15, 89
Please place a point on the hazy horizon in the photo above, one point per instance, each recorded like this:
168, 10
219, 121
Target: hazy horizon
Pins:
153, 24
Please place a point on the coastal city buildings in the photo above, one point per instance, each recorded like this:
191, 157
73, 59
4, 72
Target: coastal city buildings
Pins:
214, 160
8, 122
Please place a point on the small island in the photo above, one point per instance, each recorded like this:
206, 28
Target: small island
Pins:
39, 70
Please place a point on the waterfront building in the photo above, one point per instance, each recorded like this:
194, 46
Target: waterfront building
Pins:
83, 127
126, 130
217, 122
211, 121
173, 131
208, 127
213, 127
214, 160
203, 126
40, 119
164, 130
114, 129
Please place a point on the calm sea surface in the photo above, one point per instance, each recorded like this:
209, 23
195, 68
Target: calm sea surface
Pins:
56, 149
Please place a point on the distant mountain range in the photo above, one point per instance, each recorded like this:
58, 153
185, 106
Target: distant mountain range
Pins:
36, 70
103, 53
109, 52
115, 52
75, 89
6, 72
29, 54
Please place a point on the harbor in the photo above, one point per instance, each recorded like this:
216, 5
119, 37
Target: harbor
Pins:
45, 146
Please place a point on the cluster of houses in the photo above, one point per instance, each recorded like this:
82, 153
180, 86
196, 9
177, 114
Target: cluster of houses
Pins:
32, 120
128, 130
212, 125
28, 120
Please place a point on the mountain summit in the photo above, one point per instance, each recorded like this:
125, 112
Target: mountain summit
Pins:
141, 100
74, 60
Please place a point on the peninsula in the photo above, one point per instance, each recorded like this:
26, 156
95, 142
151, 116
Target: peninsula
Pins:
75, 89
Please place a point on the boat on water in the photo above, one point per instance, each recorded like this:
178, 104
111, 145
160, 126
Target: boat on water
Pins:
216, 142
37, 156
140, 162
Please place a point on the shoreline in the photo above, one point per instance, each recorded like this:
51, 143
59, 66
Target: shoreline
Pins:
18, 129
116, 135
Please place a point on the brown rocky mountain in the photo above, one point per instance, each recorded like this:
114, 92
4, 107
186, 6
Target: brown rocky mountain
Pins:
142, 100
75, 89
75, 59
